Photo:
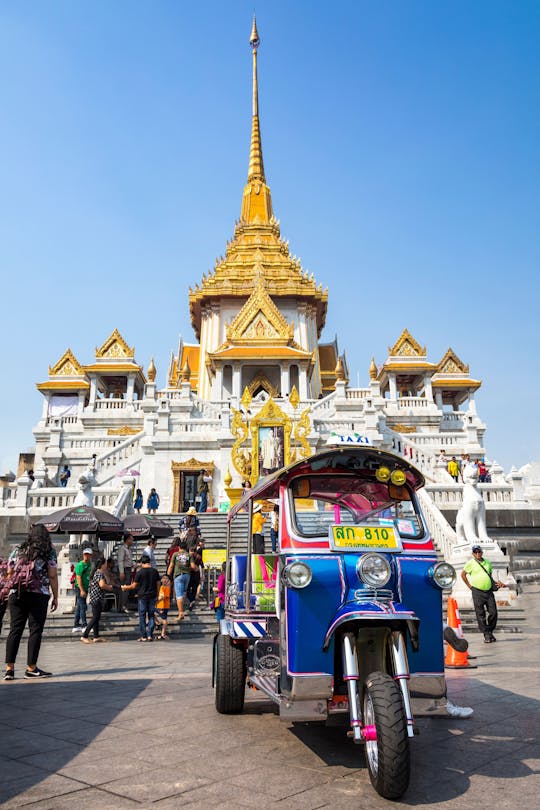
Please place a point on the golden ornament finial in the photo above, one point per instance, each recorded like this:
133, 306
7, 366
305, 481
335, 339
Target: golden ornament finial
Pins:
256, 166
294, 397
339, 370
151, 371
246, 398
373, 370
186, 372
227, 478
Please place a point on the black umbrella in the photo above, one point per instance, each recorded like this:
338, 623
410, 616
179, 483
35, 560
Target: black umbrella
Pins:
146, 526
82, 520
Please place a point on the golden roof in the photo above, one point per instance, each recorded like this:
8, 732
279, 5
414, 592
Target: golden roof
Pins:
451, 364
257, 246
115, 348
406, 346
67, 366
190, 355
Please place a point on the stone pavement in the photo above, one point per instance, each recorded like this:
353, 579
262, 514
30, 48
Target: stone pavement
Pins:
127, 725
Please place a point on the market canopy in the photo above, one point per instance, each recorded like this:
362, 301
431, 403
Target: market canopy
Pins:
81, 520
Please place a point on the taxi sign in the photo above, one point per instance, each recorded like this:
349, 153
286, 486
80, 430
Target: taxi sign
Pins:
350, 439
364, 538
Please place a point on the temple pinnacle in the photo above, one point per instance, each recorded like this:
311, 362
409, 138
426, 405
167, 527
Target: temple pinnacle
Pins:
254, 39
256, 167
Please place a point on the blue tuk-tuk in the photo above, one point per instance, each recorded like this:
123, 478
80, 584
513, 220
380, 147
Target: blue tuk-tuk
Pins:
346, 615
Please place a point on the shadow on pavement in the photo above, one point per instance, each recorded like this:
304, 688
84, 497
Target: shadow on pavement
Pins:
45, 724
494, 742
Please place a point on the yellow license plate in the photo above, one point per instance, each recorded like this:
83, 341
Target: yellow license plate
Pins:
359, 538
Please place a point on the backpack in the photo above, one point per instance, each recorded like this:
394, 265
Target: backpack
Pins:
20, 575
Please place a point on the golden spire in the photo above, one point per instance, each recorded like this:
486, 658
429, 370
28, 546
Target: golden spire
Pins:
151, 371
257, 202
373, 370
185, 375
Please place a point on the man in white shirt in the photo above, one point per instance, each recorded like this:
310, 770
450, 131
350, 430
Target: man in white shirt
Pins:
149, 551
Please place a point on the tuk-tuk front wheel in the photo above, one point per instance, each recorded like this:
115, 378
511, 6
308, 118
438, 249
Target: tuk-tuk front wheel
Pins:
230, 676
387, 756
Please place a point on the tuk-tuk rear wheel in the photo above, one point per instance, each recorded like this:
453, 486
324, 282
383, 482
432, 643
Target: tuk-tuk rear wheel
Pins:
230, 676
387, 757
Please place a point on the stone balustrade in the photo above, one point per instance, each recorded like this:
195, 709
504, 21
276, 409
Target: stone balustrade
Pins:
450, 495
443, 535
437, 440
359, 393
117, 454
412, 402
91, 444
115, 405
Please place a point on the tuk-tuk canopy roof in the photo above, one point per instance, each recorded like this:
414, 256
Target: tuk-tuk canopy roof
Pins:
336, 459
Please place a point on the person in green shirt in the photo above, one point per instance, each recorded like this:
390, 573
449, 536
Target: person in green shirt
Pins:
82, 581
477, 576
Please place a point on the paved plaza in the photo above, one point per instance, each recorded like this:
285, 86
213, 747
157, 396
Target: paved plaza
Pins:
125, 725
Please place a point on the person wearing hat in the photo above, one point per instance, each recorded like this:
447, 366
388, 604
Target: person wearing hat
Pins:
477, 576
82, 581
257, 525
189, 526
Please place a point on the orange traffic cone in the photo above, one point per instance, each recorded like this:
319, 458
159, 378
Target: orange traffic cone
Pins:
455, 659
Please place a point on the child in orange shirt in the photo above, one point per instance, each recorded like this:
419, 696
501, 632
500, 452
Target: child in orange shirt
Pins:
163, 604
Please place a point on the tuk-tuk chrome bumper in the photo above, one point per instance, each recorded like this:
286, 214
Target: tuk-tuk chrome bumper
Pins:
373, 611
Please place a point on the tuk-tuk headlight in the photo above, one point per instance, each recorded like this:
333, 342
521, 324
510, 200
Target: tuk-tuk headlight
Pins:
297, 575
443, 574
374, 570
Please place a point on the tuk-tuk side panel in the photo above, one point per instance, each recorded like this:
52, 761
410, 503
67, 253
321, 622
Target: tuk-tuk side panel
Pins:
425, 600
308, 613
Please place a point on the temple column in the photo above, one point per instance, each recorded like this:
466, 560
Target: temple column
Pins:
438, 399
236, 381
45, 410
393, 387
472, 403
427, 388
130, 387
285, 380
80, 404
302, 382
93, 392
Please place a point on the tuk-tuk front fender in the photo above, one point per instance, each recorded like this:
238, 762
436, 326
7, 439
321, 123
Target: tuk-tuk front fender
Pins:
382, 613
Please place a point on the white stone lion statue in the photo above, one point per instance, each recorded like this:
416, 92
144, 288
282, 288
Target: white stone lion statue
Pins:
471, 518
84, 496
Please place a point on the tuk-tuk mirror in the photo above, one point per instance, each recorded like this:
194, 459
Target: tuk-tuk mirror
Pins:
301, 488
399, 493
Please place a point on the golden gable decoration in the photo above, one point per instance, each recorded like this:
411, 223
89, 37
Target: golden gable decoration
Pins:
451, 364
407, 346
260, 321
262, 381
115, 348
67, 366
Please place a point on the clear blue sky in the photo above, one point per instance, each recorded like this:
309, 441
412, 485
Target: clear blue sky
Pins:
401, 144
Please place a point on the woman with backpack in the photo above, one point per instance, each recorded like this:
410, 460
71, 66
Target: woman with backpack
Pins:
34, 577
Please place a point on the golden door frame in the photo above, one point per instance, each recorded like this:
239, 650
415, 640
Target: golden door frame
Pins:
192, 466
270, 415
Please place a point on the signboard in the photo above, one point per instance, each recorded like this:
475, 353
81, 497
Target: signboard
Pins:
349, 439
214, 557
364, 538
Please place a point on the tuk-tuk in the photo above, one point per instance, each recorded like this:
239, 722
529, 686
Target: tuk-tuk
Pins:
346, 615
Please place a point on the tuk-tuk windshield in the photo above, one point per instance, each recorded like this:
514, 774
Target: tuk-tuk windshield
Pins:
327, 500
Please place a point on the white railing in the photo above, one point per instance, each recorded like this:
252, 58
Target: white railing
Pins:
196, 427
62, 420
438, 440
115, 405
8, 494
323, 405
413, 402
51, 498
91, 444
451, 495
443, 535
358, 393
121, 452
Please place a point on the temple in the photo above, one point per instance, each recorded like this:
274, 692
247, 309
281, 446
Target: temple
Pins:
257, 386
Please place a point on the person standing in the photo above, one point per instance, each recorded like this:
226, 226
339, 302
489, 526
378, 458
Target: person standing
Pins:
477, 576
150, 551
82, 581
274, 528
453, 468
30, 604
146, 583
203, 484
152, 502
189, 527
138, 502
219, 590
125, 564
65, 475
96, 591
257, 525
163, 604
195, 575
179, 570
